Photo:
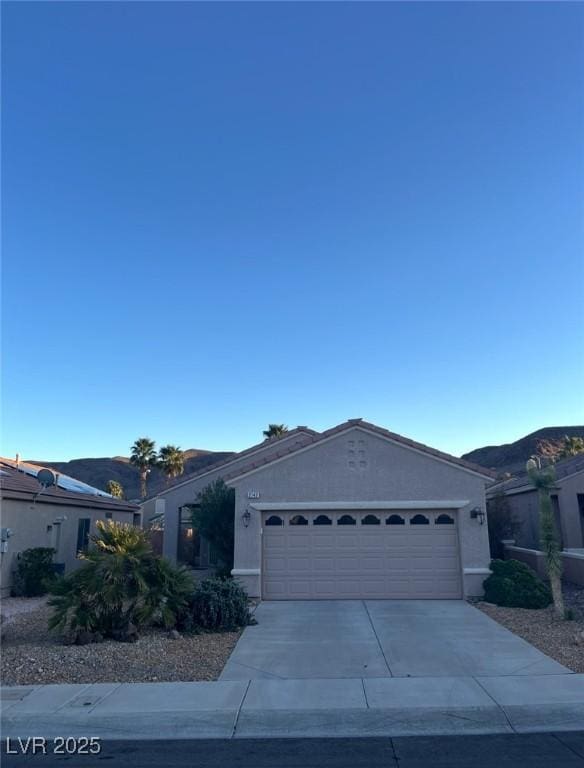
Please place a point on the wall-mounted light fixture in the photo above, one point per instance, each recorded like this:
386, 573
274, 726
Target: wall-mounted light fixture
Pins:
246, 517
477, 512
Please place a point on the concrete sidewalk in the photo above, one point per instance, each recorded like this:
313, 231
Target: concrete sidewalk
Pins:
298, 708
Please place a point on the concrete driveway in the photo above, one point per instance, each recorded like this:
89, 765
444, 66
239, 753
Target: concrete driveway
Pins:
380, 638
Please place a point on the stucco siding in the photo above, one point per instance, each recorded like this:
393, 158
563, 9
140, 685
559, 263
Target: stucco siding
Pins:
359, 466
29, 523
572, 522
169, 502
524, 508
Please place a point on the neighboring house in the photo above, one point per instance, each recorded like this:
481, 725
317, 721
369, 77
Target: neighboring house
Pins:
62, 516
568, 506
567, 501
353, 512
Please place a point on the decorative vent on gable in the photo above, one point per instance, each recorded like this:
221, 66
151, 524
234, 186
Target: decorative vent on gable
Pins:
357, 455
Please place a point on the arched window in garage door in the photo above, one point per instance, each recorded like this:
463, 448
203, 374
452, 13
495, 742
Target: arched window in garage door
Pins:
298, 520
395, 520
444, 520
274, 520
419, 520
322, 520
346, 520
370, 520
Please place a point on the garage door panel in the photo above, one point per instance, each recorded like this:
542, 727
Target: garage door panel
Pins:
298, 543
348, 588
323, 539
361, 561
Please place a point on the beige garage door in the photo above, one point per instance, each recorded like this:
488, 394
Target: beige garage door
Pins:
328, 555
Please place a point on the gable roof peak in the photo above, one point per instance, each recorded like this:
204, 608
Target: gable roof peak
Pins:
345, 426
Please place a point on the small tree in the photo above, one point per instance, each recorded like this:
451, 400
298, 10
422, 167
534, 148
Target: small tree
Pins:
502, 524
143, 457
571, 446
275, 430
172, 461
213, 516
544, 480
115, 489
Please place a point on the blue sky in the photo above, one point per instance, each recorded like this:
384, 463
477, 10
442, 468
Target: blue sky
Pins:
220, 215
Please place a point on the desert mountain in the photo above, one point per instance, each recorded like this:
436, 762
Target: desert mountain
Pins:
97, 472
511, 457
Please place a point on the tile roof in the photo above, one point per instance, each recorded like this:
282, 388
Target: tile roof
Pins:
318, 437
15, 484
184, 479
564, 468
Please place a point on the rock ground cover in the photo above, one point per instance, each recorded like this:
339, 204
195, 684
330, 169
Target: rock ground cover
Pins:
560, 640
33, 655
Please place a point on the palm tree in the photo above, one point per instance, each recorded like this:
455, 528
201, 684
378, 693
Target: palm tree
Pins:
143, 456
172, 461
275, 430
571, 446
544, 480
115, 489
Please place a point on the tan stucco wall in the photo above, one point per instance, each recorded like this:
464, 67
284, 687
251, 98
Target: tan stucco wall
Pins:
572, 532
29, 523
169, 502
572, 563
525, 512
392, 473
525, 509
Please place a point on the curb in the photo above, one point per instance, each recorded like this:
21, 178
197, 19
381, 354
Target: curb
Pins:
297, 708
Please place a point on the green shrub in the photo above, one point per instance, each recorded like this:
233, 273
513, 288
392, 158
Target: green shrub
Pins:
217, 605
515, 585
34, 573
122, 587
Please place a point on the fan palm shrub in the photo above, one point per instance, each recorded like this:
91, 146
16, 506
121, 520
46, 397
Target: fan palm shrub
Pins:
121, 587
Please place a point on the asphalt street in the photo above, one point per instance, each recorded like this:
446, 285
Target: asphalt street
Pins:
491, 751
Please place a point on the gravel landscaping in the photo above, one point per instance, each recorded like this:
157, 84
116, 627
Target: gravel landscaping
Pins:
33, 655
556, 639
